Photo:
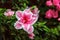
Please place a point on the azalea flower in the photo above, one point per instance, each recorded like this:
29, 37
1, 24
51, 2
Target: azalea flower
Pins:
49, 3
48, 14
51, 14
57, 4
9, 12
26, 19
55, 14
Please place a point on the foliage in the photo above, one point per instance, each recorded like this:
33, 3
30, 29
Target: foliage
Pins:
44, 29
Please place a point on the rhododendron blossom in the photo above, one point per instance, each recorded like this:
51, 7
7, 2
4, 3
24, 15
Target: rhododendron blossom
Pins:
26, 19
51, 14
56, 3
49, 3
55, 14
9, 12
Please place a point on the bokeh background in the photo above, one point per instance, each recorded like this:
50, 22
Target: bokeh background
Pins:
44, 29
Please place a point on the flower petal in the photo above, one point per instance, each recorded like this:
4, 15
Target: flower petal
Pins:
49, 3
35, 18
55, 14
18, 25
26, 27
35, 11
31, 36
30, 30
19, 14
56, 2
48, 14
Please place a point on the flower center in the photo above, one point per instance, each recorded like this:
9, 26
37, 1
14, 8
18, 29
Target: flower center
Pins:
25, 19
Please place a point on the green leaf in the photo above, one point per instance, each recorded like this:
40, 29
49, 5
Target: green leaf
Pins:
19, 0
33, 7
46, 29
36, 32
55, 31
37, 38
25, 5
58, 27
41, 23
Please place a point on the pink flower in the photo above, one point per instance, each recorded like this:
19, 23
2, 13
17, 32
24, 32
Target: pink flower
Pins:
26, 19
56, 2
31, 36
58, 7
55, 14
48, 14
51, 14
58, 19
9, 13
49, 3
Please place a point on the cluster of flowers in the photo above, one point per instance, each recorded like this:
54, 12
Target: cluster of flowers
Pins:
25, 19
53, 13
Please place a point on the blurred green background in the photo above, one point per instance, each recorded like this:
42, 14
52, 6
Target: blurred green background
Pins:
44, 29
